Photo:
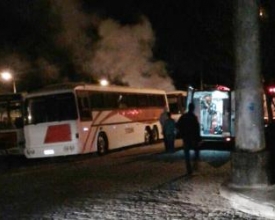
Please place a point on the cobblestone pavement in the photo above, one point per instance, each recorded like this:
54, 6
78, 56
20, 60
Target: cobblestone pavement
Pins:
137, 183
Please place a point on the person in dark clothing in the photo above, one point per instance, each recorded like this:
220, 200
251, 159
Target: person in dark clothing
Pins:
163, 117
169, 127
189, 129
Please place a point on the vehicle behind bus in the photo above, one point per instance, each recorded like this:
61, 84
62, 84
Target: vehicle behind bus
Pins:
78, 119
11, 124
215, 109
216, 112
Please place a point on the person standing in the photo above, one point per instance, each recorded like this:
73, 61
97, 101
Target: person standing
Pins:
169, 133
163, 117
208, 109
189, 129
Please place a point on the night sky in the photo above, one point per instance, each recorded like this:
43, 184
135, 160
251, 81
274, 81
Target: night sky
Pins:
171, 44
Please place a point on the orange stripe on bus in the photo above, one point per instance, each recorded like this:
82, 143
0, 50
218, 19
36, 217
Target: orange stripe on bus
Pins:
90, 130
104, 119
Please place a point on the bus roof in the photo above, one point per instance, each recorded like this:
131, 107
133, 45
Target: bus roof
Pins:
176, 92
69, 87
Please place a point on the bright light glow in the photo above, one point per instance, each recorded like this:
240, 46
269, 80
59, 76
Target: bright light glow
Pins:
219, 95
7, 76
261, 12
49, 152
222, 88
228, 139
85, 129
104, 82
271, 89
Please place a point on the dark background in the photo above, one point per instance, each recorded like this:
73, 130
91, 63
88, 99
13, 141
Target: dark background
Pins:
195, 38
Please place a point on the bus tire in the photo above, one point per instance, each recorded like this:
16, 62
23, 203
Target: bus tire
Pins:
155, 134
102, 143
147, 135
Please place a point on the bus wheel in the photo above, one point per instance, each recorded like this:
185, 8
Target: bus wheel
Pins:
102, 144
147, 136
155, 134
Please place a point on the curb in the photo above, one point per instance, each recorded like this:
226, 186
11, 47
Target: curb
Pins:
255, 201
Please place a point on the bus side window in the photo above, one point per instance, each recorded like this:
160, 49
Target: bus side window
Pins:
84, 106
122, 101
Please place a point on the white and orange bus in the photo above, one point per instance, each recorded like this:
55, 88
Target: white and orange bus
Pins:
76, 119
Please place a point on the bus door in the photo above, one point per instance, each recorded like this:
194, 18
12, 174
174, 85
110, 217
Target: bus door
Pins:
85, 125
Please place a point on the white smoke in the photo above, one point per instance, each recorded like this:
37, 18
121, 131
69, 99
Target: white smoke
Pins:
50, 71
73, 35
123, 52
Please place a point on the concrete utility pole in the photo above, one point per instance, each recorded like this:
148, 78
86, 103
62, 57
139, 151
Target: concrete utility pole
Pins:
250, 160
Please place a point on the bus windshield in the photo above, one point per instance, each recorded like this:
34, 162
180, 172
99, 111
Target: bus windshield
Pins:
10, 111
176, 103
49, 108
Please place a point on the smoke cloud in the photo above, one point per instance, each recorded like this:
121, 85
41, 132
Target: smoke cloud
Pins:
123, 52
92, 47
73, 34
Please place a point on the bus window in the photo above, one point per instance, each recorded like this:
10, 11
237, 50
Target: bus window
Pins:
9, 112
49, 108
142, 100
11, 124
110, 100
84, 106
122, 101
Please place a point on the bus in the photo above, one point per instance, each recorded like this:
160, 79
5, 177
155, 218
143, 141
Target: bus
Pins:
74, 119
11, 124
177, 103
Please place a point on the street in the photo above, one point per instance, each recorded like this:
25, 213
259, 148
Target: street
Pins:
141, 182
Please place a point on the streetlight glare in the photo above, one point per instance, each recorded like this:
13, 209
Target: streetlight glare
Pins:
104, 82
6, 76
